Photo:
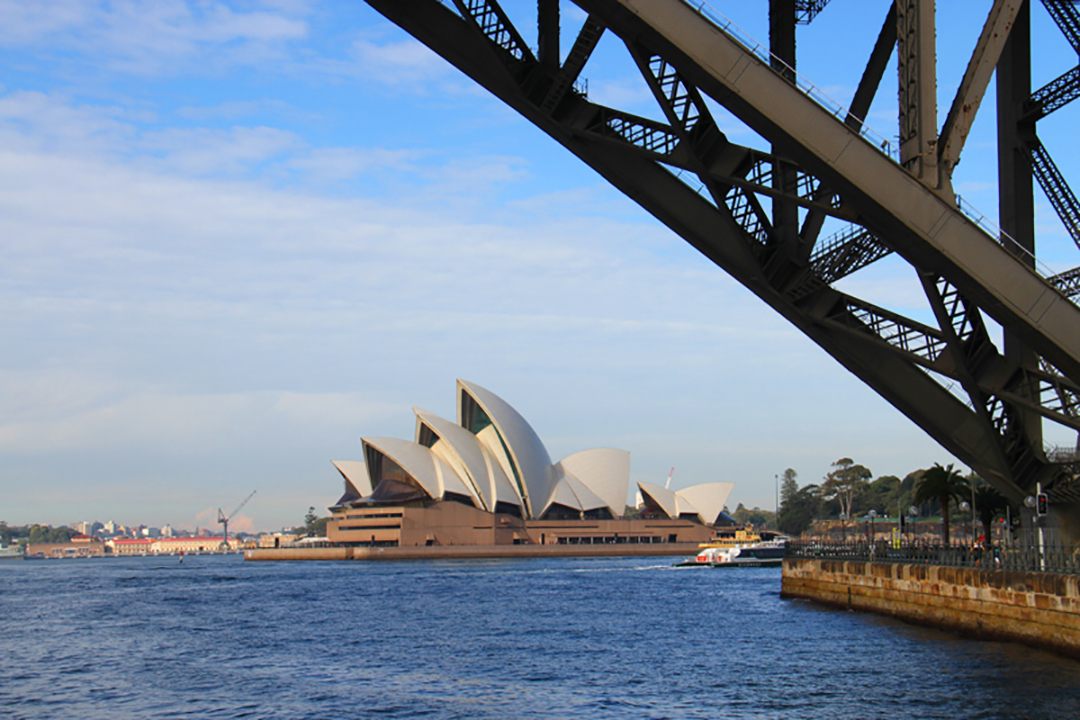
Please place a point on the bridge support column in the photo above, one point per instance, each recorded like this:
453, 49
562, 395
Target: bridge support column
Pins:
917, 68
1016, 198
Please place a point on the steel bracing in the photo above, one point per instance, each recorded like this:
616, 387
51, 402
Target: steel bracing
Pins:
759, 213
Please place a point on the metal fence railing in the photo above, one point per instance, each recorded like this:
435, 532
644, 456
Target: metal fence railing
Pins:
1015, 556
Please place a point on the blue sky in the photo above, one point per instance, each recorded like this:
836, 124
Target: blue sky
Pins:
240, 236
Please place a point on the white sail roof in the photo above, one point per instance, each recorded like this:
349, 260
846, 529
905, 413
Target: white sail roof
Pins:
605, 472
588, 499
460, 448
663, 497
433, 474
523, 448
563, 495
356, 476
709, 498
706, 500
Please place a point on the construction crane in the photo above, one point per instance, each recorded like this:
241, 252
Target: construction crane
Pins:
224, 520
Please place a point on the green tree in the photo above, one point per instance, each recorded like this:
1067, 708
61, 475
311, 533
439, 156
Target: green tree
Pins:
942, 484
757, 516
799, 509
49, 534
314, 526
882, 495
788, 486
990, 504
845, 483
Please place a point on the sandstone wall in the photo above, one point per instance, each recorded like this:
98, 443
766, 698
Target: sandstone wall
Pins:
1040, 609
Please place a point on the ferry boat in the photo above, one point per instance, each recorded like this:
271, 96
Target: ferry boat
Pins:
10, 553
767, 553
743, 547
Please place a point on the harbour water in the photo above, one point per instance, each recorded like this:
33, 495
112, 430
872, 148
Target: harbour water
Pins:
215, 637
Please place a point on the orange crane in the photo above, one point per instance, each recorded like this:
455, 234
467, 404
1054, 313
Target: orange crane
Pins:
224, 520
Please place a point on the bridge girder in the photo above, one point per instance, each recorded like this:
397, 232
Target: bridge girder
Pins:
983, 404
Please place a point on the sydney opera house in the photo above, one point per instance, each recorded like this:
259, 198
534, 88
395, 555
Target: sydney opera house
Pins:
487, 479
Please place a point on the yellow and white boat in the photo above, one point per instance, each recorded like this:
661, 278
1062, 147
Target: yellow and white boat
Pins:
741, 547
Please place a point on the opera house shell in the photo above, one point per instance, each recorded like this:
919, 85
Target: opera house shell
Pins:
488, 479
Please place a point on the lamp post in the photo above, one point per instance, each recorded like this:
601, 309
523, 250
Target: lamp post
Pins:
1032, 501
843, 527
913, 512
964, 507
872, 514
776, 484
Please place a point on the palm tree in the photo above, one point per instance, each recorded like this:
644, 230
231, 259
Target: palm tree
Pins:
990, 503
941, 484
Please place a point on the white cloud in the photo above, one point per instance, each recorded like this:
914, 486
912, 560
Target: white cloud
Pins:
149, 38
233, 110
202, 151
344, 163
396, 62
36, 120
169, 424
631, 94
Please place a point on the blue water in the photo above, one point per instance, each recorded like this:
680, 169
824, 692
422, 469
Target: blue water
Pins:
217, 637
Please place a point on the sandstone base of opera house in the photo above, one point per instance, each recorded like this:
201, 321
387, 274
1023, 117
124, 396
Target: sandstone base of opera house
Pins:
1036, 609
463, 552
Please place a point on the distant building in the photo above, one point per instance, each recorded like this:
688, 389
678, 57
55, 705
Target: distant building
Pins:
167, 531
272, 540
172, 546
81, 546
194, 545
488, 480
131, 546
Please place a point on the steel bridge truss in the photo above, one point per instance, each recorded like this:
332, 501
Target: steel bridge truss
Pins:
985, 404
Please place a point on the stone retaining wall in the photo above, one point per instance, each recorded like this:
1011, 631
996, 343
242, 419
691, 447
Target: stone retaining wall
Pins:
1039, 609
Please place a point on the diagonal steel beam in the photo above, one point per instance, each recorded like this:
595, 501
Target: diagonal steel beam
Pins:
489, 18
976, 78
874, 71
1053, 96
1068, 282
1057, 190
807, 10
1067, 16
579, 54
